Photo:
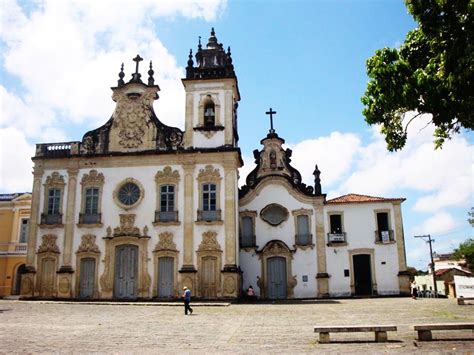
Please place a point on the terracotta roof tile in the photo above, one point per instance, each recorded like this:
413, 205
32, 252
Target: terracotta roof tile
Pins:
355, 198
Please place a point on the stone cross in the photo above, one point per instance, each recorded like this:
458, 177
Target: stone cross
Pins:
271, 113
137, 59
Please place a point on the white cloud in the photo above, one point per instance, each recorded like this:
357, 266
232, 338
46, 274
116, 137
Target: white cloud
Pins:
15, 173
333, 154
61, 52
438, 223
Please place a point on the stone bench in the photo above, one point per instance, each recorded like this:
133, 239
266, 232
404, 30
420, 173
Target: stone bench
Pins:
379, 330
462, 300
424, 330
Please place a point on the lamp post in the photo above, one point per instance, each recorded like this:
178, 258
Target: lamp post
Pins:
429, 241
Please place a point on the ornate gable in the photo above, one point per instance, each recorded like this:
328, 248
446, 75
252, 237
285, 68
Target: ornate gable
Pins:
272, 161
134, 125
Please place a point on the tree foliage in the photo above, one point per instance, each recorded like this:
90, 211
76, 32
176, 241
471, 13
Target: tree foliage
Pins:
431, 73
466, 251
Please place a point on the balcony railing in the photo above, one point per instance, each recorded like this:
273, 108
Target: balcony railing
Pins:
248, 241
384, 236
90, 218
13, 248
337, 237
51, 218
209, 216
303, 239
166, 216
52, 150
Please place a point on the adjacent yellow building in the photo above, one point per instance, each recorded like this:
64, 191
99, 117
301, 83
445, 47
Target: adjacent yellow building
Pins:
14, 222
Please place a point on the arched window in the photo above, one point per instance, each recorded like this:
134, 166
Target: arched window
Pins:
209, 114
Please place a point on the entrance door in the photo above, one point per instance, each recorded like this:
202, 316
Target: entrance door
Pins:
165, 277
17, 281
48, 271
362, 275
87, 276
126, 271
209, 277
276, 269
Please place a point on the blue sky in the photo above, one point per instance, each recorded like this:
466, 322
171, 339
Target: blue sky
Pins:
305, 59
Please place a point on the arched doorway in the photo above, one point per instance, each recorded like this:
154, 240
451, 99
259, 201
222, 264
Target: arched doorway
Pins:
17, 280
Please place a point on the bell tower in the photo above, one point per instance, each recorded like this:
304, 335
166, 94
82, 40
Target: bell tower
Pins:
212, 96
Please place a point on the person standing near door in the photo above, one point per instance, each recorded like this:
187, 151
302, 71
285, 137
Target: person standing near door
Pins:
187, 300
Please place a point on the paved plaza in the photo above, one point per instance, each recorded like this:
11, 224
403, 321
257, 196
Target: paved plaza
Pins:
47, 327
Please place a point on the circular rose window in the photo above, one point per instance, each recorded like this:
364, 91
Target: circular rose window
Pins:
128, 194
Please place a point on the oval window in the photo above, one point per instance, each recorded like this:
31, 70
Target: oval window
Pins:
274, 214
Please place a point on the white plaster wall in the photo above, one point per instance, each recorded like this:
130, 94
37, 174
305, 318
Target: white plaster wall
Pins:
145, 211
201, 141
304, 262
360, 225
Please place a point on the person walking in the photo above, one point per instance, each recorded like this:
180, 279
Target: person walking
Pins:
187, 300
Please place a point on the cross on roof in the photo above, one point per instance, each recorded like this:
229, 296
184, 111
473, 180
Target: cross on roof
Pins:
137, 59
271, 113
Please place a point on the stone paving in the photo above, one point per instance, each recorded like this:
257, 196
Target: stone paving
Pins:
54, 327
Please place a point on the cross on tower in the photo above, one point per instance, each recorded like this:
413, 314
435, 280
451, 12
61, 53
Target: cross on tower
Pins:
137, 59
271, 113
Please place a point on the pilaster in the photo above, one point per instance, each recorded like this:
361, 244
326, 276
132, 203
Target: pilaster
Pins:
322, 276
230, 219
403, 277
35, 209
228, 124
188, 219
66, 270
188, 125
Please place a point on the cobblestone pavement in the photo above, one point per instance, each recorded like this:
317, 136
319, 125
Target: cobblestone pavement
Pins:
53, 327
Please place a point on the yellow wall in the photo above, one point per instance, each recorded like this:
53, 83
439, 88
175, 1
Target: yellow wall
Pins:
12, 252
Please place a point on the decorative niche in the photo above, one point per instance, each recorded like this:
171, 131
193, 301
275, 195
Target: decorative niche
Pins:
274, 214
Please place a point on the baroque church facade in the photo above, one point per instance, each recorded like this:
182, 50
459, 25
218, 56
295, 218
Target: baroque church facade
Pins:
138, 209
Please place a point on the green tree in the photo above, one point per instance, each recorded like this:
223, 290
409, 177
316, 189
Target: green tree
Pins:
431, 73
466, 251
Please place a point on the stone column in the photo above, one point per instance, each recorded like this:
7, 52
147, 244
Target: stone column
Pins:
188, 123
188, 218
188, 270
403, 277
322, 275
14, 233
28, 278
231, 275
66, 270
230, 215
228, 108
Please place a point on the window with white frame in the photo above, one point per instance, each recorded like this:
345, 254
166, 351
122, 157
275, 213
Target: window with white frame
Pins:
303, 237
24, 226
336, 229
209, 189
247, 232
92, 184
383, 233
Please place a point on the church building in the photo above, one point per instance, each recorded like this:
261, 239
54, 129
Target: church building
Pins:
138, 209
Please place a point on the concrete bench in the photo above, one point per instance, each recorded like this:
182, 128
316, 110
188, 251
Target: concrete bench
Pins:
424, 330
462, 300
379, 330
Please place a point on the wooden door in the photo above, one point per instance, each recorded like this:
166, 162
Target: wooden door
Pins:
126, 271
362, 275
165, 277
276, 276
209, 277
87, 277
48, 273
